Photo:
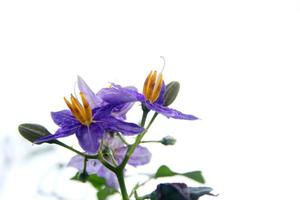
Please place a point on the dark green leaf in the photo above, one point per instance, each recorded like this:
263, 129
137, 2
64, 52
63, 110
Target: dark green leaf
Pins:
165, 171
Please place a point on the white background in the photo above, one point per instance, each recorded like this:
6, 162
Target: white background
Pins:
237, 61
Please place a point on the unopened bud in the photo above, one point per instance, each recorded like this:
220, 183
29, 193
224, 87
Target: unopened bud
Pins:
171, 92
83, 177
168, 140
32, 132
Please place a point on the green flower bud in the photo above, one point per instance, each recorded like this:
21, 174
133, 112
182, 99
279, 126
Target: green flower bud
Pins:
168, 140
171, 92
32, 132
83, 176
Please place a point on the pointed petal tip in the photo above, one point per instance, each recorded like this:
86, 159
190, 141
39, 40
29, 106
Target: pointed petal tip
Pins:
79, 78
192, 117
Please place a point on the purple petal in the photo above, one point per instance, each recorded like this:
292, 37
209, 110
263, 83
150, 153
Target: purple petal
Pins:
64, 118
119, 112
140, 156
92, 165
120, 95
110, 177
89, 136
160, 99
169, 112
102, 112
61, 132
113, 124
112, 141
93, 100
95, 167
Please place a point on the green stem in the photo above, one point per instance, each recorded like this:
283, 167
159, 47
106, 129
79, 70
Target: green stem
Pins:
120, 176
136, 143
74, 150
151, 141
137, 186
105, 163
84, 165
122, 139
144, 117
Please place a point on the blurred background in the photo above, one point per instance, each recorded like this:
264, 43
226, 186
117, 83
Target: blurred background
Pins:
237, 62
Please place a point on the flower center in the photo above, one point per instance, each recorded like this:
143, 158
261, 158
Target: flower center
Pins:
152, 86
82, 112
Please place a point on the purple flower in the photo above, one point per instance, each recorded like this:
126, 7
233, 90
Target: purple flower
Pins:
152, 97
96, 100
179, 191
88, 124
141, 156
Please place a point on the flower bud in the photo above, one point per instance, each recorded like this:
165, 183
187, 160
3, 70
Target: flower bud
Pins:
178, 191
171, 92
168, 140
83, 177
32, 132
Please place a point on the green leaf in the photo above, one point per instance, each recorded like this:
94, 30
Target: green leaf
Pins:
98, 182
195, 175
95, 180
76, 177
104, 192
165, 171
81, 177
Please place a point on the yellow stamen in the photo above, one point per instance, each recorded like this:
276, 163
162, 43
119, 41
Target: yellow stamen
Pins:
152, 86
157, 88
145, 89
87, 107
68, 104
82, 113
149, 84
77, 107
